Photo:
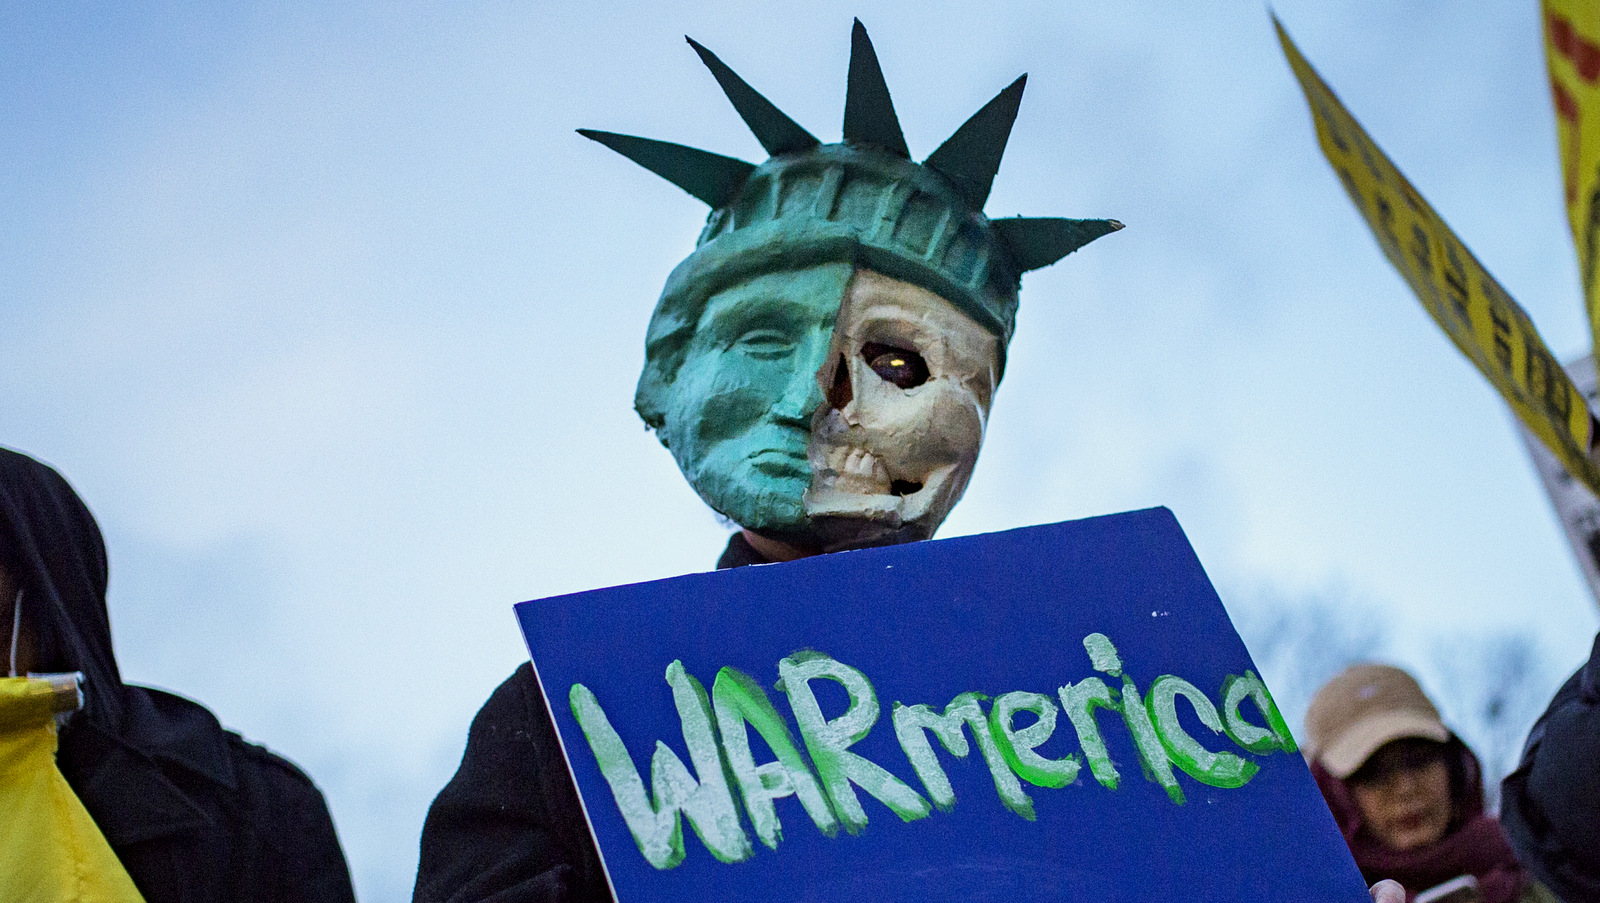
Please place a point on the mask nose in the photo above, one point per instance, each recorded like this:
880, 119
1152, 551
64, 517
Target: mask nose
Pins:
841, 392
801, 398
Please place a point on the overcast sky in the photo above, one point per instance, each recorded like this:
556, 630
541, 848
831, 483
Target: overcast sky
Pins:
335, 323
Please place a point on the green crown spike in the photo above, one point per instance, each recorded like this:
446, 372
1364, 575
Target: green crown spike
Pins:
710, 177
777, 133
1032, 243
863, 202
971, 156
869, 119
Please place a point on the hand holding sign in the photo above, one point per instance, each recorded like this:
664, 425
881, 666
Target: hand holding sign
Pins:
1387, 891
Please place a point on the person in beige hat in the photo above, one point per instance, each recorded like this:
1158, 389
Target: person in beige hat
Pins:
1406, 792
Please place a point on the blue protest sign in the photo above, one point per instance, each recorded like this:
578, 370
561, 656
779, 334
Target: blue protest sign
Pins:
1057, 712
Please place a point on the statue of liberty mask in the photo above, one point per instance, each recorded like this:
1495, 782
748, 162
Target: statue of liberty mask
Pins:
821, 367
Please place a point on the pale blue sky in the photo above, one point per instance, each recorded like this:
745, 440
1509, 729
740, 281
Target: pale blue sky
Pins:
334, 322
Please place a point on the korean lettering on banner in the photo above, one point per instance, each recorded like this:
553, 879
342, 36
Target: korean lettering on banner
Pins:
1478, 315
1572, 54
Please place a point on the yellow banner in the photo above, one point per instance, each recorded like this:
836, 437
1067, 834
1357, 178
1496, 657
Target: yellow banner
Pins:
1572, 54
1477, 314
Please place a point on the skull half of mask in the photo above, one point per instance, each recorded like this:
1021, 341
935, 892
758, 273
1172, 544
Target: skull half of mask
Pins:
907, 390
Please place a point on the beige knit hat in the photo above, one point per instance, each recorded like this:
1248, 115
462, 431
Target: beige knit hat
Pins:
1363, 708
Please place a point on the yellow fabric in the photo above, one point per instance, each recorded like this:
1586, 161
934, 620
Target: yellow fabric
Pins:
50, 849
1538, 893
1478, 315
1572, 55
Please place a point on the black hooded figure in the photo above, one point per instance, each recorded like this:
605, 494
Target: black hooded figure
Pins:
1550, 806
509, 827
193, 811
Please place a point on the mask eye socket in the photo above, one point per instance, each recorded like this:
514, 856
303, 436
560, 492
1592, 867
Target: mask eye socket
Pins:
901, 366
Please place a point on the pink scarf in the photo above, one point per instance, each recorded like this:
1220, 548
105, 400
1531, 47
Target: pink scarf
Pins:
1474, 845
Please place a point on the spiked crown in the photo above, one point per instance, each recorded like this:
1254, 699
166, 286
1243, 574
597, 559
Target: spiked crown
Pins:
863, 201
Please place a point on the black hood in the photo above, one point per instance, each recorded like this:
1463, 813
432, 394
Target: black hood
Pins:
51, 545
191, 810
116, 753
1550, 806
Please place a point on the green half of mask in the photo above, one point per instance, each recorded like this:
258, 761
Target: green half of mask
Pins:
738, 414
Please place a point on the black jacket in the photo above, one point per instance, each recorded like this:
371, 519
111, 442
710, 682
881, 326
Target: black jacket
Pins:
1550, 806
195, 814
508, 828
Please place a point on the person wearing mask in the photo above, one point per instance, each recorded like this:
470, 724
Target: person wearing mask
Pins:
1406, 792
192, 811
1550, 805
821, 368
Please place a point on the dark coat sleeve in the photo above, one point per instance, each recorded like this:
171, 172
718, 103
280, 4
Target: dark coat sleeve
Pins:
1550, 806
203, 816
508, 828
291, 848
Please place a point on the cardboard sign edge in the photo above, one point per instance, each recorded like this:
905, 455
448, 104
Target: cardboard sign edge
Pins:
566, 759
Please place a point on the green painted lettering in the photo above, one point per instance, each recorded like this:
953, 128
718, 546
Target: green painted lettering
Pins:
1153, 759
1018, 745
1218, 769
707, 803
1102, 654
1079, 702
739, 700
829, 741
910, 726
1275, 736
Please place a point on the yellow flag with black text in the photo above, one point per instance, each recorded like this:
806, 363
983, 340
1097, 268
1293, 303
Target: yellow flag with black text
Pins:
1477, 314
1572, 54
